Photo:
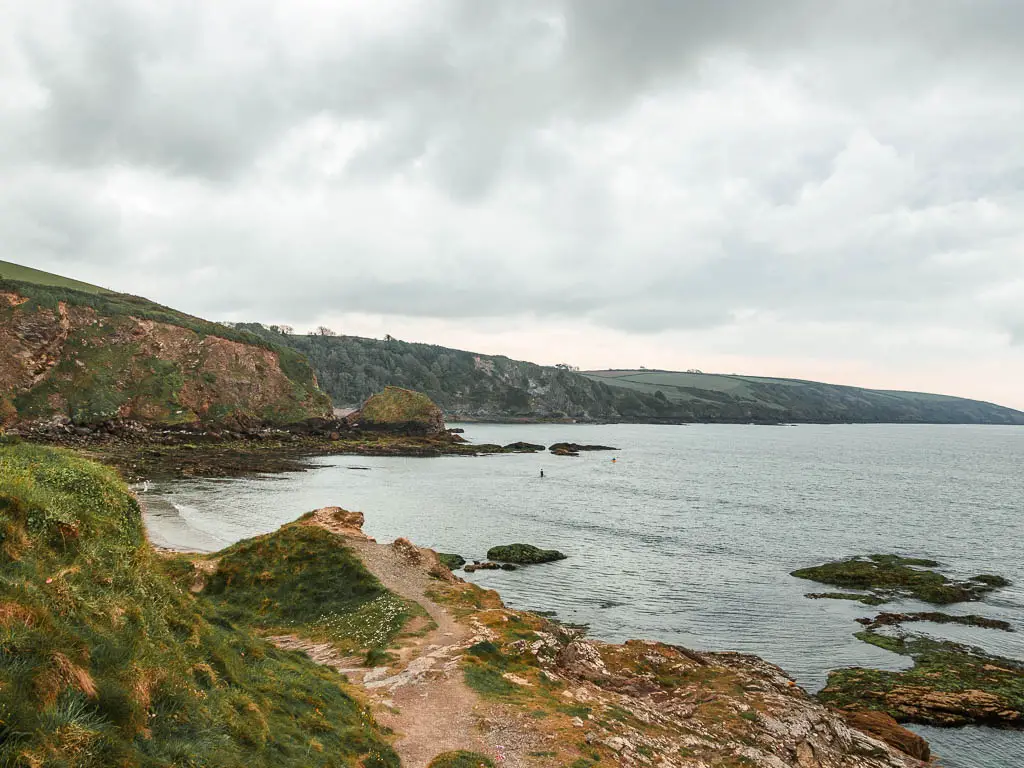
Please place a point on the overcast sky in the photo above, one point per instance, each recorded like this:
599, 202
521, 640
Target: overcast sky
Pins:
827, 190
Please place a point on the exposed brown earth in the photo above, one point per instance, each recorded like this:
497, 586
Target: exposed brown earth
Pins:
72, 361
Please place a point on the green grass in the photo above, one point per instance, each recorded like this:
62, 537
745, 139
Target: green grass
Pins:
461, 759
303, 578
10, 271
397, 406
105, 661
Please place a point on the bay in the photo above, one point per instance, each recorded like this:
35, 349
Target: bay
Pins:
689, 536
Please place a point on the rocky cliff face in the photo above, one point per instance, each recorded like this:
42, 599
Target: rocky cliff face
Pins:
73, 361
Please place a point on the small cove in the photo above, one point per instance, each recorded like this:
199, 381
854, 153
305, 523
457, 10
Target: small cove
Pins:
690, 535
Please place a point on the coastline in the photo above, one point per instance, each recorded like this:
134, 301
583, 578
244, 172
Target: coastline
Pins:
525, 690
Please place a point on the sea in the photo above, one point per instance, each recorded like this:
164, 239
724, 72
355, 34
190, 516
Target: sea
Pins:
686, 534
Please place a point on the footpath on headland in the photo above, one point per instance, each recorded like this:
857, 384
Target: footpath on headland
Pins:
467, 673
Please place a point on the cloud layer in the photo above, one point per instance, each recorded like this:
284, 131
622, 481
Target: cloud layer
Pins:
783, 187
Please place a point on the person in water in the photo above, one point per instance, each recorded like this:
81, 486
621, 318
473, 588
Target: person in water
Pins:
542, 473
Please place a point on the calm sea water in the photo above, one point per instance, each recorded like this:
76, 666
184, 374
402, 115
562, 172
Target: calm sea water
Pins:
690, 535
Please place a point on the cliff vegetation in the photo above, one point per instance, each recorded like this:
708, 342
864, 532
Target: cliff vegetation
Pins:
106, 661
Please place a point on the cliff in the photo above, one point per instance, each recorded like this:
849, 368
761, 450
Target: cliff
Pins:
92, 357
471, 386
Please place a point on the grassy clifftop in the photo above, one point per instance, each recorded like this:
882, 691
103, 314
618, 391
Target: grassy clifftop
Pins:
72, 350
105, 661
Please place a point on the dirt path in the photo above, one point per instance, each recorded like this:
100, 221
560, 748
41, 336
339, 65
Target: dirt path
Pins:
427, 700
423, 697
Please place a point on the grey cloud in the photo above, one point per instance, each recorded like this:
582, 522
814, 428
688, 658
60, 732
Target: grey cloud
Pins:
641, 166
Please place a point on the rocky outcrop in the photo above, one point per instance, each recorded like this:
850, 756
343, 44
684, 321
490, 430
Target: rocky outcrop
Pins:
573, 449
950, 684
644, 698
524, 554
890, 576
72, 361
337, 520
885, 728
403, 411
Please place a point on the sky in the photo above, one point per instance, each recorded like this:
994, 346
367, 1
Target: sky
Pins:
830, 191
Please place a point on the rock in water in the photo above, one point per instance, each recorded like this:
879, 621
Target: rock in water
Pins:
451, 561
523, 554
400, 411
889, 576
885, 728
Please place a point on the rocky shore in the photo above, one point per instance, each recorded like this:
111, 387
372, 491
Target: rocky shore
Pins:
518, 689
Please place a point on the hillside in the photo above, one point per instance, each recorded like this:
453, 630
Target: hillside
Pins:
75, 351
472, 386
105, 661
711, 396
466, 385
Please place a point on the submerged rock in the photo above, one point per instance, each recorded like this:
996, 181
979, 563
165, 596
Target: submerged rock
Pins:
888, 576
866, 599
524, 554
972, 620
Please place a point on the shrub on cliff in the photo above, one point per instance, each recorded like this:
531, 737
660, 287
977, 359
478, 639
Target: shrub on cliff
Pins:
104, 661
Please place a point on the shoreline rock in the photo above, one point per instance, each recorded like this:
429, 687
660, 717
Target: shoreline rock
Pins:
524, 554
890, 576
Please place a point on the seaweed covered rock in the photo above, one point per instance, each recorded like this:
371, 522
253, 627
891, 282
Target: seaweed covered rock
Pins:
573, 449
949, 685
889, 576
970, 620
523, 554
521, 447
403, 411
451, 561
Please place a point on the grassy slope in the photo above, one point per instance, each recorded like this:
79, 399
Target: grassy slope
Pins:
104, 661
10, 271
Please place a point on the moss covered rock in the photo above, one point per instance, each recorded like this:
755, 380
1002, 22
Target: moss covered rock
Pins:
401, 411
949, 685
523, 554
450, 561
888, 576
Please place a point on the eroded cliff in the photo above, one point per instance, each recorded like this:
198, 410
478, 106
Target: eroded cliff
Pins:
90, 359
